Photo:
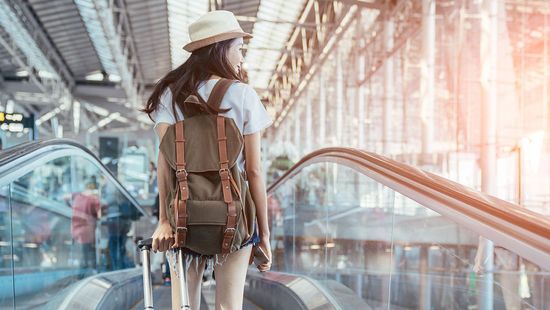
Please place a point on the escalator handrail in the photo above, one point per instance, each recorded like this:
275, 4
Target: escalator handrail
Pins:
11, 156
481, 206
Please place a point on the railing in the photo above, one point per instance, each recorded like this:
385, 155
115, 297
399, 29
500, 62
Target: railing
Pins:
63, 217
404, 231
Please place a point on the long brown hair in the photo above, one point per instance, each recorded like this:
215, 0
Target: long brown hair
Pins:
185, 79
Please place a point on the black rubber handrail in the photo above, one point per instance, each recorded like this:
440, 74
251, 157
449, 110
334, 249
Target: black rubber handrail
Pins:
14, 153
508, 218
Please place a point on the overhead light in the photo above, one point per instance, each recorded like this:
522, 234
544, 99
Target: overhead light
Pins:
48, 116
114, 78
108, 119
104, 122
9, 106
122, 119
45, 74
96, 76
116, 99
76, 116
22, 73
95, 109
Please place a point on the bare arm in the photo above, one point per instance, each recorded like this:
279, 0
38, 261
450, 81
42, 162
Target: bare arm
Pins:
163, 237
252, 147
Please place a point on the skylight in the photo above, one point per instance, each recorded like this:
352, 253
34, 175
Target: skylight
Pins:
181, 13
264, 50
11, 23
89, 15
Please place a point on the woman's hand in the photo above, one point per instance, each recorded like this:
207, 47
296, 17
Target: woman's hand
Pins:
266, 248
163, 238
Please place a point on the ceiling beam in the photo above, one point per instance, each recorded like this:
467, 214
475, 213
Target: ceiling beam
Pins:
36, 31
254, 19
116, 33
29, 46
296, 69
366, 4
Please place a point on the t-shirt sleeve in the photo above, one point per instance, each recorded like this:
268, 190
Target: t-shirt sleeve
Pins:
164, 112
255, 116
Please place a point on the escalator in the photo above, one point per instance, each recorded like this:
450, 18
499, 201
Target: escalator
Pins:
401, 238
64, 218
350, 230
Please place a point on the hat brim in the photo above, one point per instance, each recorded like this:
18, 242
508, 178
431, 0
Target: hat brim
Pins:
194, 45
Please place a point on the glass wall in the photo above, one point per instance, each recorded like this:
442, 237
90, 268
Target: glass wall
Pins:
412, 86
60, 222
332, 223
6, 257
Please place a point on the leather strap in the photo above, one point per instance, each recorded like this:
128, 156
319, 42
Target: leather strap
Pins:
225, 176
218, 92
180, 201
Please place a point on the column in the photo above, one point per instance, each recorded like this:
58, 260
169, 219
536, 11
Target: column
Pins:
427, 83
488, 56
425, 298
361, 104
387, 110
339, 98
297, 136
309, 138
322, 109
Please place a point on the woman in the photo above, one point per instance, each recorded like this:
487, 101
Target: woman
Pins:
216, 52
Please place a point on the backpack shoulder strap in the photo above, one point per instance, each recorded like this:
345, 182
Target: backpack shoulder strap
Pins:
180, 201
218, 92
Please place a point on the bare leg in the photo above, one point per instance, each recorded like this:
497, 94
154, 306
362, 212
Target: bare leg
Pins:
194, 282
230, 278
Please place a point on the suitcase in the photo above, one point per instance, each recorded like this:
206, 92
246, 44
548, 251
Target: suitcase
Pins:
145, 248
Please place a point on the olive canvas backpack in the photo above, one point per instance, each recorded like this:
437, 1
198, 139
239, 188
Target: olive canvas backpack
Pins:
208, 202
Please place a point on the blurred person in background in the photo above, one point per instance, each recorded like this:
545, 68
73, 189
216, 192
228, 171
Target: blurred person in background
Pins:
86, 212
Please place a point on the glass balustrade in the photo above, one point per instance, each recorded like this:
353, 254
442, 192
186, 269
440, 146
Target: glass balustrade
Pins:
61, 220
334, 224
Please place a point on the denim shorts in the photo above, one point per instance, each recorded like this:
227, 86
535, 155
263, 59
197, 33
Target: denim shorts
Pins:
255, 239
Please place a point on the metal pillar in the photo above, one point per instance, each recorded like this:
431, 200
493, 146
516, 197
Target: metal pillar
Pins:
427, 87
361, 104
297, 136
339, 98
387, 110
286, 135
350, 136
309, 137
425, 301
488, 56
545, 104
322, 109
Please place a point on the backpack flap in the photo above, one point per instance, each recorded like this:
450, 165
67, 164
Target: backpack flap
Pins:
201, 144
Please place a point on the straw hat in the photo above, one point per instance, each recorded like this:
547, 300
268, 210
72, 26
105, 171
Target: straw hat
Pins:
212, 27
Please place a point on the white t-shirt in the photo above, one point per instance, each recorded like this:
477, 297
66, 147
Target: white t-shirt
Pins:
247, 110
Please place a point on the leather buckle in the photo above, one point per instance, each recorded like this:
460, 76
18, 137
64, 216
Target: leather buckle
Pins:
230, 231
224, 173
178, 174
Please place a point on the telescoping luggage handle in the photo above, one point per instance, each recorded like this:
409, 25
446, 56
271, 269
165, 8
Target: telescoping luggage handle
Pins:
145, 248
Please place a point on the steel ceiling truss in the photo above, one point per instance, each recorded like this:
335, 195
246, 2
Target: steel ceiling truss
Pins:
36, 31
407, 21
55, 85
308, 47
114, 19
